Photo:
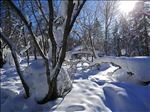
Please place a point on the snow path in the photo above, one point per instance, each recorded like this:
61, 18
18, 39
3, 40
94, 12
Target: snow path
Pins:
86, 96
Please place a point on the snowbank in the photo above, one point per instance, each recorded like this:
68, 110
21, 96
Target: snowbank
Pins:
139, 66
88, 96
35, 75
100, 91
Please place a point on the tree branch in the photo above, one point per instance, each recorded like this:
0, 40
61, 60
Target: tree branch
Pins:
77, 13
50, 32
68, 27
13, 52
20, 14
41, 10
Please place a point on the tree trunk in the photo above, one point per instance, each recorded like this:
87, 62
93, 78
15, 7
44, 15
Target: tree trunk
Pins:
118, 47
105, 42
34, 52
52, 92
12, 47
1, 55
25, 43
146, 53
92, 45
56, 64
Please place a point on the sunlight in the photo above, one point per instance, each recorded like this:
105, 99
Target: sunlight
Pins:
126, 6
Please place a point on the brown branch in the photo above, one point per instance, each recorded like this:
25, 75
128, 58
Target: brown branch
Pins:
33, 37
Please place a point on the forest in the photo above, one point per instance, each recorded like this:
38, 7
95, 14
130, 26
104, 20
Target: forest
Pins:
74, 55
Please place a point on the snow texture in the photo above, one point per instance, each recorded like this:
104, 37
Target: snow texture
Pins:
139, 66
99, 91
35, 75
7, 54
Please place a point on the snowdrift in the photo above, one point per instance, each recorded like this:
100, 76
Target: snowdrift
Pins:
102, 89
137, 66
35, 75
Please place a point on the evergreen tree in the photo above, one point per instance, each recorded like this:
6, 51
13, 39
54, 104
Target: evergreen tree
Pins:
140, 25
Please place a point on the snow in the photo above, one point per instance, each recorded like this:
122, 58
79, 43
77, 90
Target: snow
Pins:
9, 58
84, 97
64, 83
35, 75
78, 48
25, 48
99, 89
139, 66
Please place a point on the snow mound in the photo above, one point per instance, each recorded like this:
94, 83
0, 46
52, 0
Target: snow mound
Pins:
139, 66
87, 96
35, 76
64, 83
100, 91
121, 97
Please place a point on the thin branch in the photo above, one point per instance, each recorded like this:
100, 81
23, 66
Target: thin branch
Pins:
77, 13
68, 27
65, 36
38, 24
20, 14
50, 32
38, 3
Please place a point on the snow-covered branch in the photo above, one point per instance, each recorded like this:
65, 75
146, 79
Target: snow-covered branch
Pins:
20, 14
13, 51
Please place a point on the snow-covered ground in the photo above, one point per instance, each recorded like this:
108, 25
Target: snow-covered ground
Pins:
98, 89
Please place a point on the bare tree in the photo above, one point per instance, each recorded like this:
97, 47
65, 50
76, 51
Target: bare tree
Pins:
107, 11
70, 11
85, 30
